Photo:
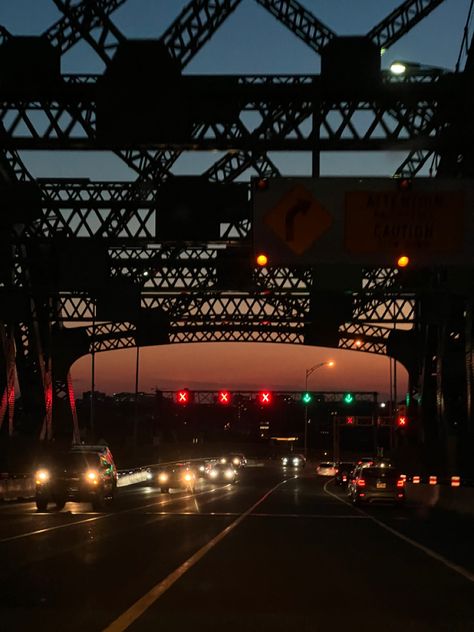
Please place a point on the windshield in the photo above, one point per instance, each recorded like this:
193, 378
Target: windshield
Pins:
76, 461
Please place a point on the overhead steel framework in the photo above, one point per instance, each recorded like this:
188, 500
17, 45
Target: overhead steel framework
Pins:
86, 266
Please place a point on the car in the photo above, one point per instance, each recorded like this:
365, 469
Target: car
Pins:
237, 459
223, 473
200, 467
344, 469
293, 460
176, 476
366, 460
355, 473
377, 483
327, 468
82, 474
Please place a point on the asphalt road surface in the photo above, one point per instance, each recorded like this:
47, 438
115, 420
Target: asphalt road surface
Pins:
274, 552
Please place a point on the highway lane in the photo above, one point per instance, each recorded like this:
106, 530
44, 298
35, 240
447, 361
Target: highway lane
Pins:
302, 559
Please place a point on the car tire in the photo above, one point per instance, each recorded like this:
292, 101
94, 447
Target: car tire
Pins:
113, 492
41, 504
60, 502
98, 503
165, 490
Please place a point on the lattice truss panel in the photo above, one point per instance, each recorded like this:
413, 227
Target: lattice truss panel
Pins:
276, 310
278, 121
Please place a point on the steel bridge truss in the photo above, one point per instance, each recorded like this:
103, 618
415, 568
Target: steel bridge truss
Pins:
268, 113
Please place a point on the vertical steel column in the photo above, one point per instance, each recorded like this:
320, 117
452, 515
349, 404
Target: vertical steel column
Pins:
469, 354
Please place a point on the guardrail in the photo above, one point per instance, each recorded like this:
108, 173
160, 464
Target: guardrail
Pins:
19, 486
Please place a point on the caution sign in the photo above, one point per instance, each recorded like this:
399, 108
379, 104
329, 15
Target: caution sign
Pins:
298, 219
427, 222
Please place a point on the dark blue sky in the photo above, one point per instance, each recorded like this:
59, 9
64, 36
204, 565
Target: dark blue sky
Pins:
251, 41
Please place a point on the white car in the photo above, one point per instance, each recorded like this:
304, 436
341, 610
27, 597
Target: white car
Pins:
328, 468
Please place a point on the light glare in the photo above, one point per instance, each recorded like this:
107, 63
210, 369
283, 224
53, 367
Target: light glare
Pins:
397, 68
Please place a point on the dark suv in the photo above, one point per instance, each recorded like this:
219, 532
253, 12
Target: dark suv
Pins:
84, 474
381, 483
344, 469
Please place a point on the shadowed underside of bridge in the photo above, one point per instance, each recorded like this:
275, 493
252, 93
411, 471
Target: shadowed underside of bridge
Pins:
94, 266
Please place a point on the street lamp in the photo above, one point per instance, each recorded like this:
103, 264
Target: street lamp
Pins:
398, 68
309, 372
412, 70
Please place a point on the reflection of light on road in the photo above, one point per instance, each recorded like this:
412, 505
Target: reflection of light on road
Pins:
196, 504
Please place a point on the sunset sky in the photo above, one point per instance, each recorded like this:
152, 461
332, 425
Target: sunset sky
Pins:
250, 41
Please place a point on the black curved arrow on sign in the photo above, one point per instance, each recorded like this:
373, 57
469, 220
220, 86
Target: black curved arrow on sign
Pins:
300, 208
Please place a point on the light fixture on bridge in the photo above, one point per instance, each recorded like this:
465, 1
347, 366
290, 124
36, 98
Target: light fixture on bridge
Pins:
398, 68
403, 261
262, 259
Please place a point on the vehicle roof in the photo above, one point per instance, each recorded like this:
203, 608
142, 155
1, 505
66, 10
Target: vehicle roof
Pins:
89, 448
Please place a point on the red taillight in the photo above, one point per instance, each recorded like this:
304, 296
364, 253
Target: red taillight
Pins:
400, 482
360, 482
344, 478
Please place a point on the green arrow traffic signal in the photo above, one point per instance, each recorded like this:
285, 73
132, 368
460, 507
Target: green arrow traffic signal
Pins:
348, 398
306, 398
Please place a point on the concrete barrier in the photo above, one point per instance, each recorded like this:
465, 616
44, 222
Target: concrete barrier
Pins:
17, 488
131, 478
459, 499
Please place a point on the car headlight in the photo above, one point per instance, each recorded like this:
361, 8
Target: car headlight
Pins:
188, 477
42, 476
236, 461
213, 473
201, 468
284, 461
223, 460
229, 474
163, 477
296, 461
92, 477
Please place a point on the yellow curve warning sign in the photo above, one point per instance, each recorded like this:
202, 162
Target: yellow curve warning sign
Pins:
298, 219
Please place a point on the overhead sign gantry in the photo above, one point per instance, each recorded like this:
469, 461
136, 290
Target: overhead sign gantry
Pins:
364, 221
